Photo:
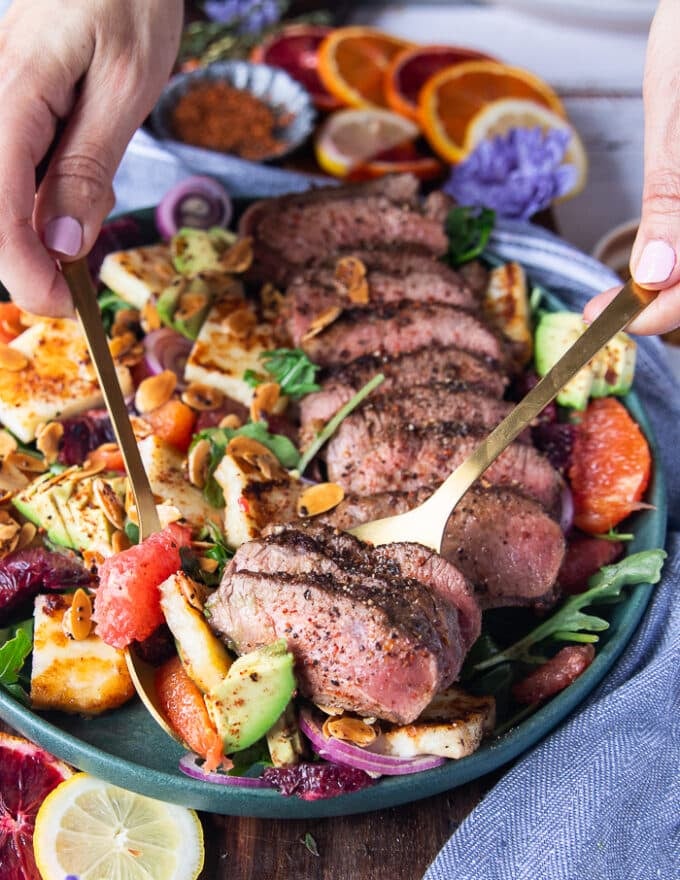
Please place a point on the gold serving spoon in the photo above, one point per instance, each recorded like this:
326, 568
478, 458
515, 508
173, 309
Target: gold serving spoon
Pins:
84, 296
425, 524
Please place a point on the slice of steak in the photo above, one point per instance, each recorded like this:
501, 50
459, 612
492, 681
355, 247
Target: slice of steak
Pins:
402, 328
372, 644
303, 228
316, 291
368, 456
505, 544
476, 276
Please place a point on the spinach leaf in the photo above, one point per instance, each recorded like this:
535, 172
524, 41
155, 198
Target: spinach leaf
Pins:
16, 646
291, 368
468, 230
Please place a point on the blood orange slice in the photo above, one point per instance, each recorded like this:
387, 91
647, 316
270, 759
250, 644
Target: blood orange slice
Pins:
295, 49
27, 775
411, 68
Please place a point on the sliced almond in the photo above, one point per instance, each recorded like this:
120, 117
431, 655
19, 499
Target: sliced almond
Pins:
168, 513
241, 321
322, 321
350, 729
254, 454
154, 391
350, 274
119, 542
31, 464
149, 317
265, 397
77, 621
197, 463
8, 443
47, 440
190, 304
202, 397
272, 299
125, 321
11, 478
194, 593
231, 421
121, 344
26, 535
207, 565
319, 498
12, 359
10, 532
239, 256
108, 501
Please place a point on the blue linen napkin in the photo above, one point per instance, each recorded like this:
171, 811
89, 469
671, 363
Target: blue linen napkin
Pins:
599, 798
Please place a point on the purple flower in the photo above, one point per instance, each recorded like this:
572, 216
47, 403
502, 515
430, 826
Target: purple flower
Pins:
245, 16
516, 174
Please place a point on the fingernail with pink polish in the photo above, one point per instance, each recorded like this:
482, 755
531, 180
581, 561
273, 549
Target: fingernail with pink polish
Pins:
63, 235
656, 263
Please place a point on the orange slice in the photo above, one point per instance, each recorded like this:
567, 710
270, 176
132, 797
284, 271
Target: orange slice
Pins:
451, 99
410, 69
352, 62
350, 138
499, 117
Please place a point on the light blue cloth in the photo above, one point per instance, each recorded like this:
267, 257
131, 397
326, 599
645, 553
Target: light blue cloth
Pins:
599, 798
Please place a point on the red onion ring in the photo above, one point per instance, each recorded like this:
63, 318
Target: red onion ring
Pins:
188, 764
567, 510
198, 202
341, 752
166, 349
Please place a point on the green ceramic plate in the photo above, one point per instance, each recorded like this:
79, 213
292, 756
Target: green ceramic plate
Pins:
127, 748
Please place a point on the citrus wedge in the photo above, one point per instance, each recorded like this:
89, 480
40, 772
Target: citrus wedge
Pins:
499, 117
90, 829
410, 69
352, 62
350, 138
27, 775
452, 98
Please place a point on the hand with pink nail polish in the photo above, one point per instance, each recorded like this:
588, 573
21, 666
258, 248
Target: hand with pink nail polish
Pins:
655, 258
91, 70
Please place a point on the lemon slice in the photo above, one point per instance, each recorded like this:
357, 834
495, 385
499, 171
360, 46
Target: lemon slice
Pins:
350, 137
498, 117
90, 829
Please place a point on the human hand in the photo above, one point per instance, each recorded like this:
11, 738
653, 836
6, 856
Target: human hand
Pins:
654, 258
98, 66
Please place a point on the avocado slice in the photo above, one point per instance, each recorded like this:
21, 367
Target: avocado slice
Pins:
555, 333
252, 696
184, 305
200, 250
41, 509
614, 367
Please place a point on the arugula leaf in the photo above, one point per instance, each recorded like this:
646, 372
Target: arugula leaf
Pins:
569, 623
218, 438
109, 305
468, 229
291, 368
332, 425
18, 642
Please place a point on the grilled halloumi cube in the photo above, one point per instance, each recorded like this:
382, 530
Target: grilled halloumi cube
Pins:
138, 274
85, 676
165, 467
252, 499
229, 343
452, 726
203, 655
50, 377
506, 304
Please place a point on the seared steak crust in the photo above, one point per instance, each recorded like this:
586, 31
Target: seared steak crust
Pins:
405, 327
366, 635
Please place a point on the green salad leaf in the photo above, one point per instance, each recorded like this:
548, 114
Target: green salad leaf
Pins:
16, 643
468, 230
110, 304
290, 367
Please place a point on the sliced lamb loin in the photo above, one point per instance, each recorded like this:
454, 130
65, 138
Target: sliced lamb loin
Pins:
366, 456
365, 637
505, 544
315, 291
402, 328
296, 230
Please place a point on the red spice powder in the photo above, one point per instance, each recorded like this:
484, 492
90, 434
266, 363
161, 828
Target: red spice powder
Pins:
220, 117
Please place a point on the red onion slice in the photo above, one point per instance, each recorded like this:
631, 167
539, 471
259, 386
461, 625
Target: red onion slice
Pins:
198, 202
567, 510
189, 765
166, 349
359, 758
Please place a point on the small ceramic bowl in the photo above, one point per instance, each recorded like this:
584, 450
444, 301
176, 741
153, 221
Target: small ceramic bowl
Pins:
614, 248
290, 102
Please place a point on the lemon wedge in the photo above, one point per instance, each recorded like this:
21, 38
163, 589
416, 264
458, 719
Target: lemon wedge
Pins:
91, 829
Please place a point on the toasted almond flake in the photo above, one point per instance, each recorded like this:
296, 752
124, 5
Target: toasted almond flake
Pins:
202, 397
154, 391
132, 356
119, 345
238, 257
272, 299
32, 464
77, 621
106, 498
360, 293
350, 729
322, 321
119, 542
11, 478
197, 463
149, 317
265, 397
140, 428
231, 421
241, 321
8, 443
207, 565
12, 359
189, 304
250, 452
319, 498
10, 533
194, 593
125, 321
48, 438
330, 710
89, 470
168, 513
27, 535
350, 275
